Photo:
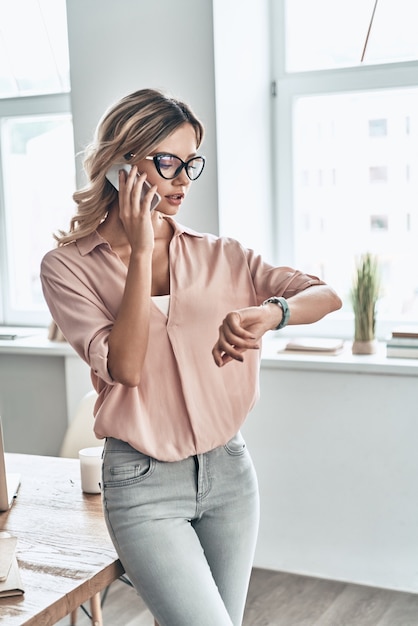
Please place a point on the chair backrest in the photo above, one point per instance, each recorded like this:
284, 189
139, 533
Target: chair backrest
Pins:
80, 431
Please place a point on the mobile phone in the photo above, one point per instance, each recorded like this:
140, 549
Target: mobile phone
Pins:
112, 176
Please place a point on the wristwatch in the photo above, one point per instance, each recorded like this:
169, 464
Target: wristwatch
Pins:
281, 302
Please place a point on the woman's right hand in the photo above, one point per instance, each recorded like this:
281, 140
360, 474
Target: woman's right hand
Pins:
134, 213
128, 339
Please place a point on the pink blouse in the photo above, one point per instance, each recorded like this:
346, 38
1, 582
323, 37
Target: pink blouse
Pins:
184, 404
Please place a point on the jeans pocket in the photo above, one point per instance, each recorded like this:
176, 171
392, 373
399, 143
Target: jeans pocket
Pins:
236, 446
126, 468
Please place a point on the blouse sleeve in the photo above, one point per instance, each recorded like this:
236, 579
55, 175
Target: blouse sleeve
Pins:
78, 311
283, 281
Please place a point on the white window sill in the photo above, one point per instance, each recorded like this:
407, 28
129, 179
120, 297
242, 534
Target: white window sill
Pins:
379, 363
31, 341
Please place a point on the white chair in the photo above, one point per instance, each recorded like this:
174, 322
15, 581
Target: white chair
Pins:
80, 431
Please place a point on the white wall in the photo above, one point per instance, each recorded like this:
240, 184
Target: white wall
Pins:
32, 402
336, 456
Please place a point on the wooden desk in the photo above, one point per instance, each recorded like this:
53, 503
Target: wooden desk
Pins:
64, 551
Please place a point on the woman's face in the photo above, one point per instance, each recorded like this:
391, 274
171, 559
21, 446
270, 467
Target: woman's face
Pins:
182, 144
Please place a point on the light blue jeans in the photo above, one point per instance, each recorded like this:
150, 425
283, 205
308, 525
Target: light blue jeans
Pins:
185, 531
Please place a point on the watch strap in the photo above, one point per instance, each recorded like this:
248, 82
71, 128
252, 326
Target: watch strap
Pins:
282, 303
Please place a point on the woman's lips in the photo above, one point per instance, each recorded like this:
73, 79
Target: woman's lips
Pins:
175, 198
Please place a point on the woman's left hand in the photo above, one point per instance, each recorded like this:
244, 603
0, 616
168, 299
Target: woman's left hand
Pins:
240, 331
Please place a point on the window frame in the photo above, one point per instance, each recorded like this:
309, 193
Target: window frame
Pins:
48, 104
287, 87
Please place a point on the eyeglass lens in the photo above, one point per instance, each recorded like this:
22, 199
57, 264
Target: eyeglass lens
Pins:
170, 166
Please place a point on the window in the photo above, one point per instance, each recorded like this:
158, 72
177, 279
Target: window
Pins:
326, 34
378, 128
41, 65
37, 170
347, 146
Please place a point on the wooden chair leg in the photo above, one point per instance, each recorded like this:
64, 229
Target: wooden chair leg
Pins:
96, 610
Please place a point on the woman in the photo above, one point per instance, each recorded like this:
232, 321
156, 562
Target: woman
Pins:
170, 322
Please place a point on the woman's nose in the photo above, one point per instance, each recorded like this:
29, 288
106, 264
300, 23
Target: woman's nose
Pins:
182, 177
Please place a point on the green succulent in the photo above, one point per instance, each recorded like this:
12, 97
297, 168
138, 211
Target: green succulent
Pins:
364, 295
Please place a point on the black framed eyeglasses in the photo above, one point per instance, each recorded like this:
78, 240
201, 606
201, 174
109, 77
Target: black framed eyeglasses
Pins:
169, 165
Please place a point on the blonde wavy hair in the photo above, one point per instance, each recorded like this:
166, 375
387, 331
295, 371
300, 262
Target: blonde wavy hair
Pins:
136, 124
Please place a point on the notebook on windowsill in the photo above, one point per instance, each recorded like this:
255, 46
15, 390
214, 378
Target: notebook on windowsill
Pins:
314, 345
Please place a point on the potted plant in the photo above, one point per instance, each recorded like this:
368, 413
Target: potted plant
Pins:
364, 295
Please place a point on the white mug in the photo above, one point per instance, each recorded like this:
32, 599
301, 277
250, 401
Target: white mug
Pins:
91, 469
